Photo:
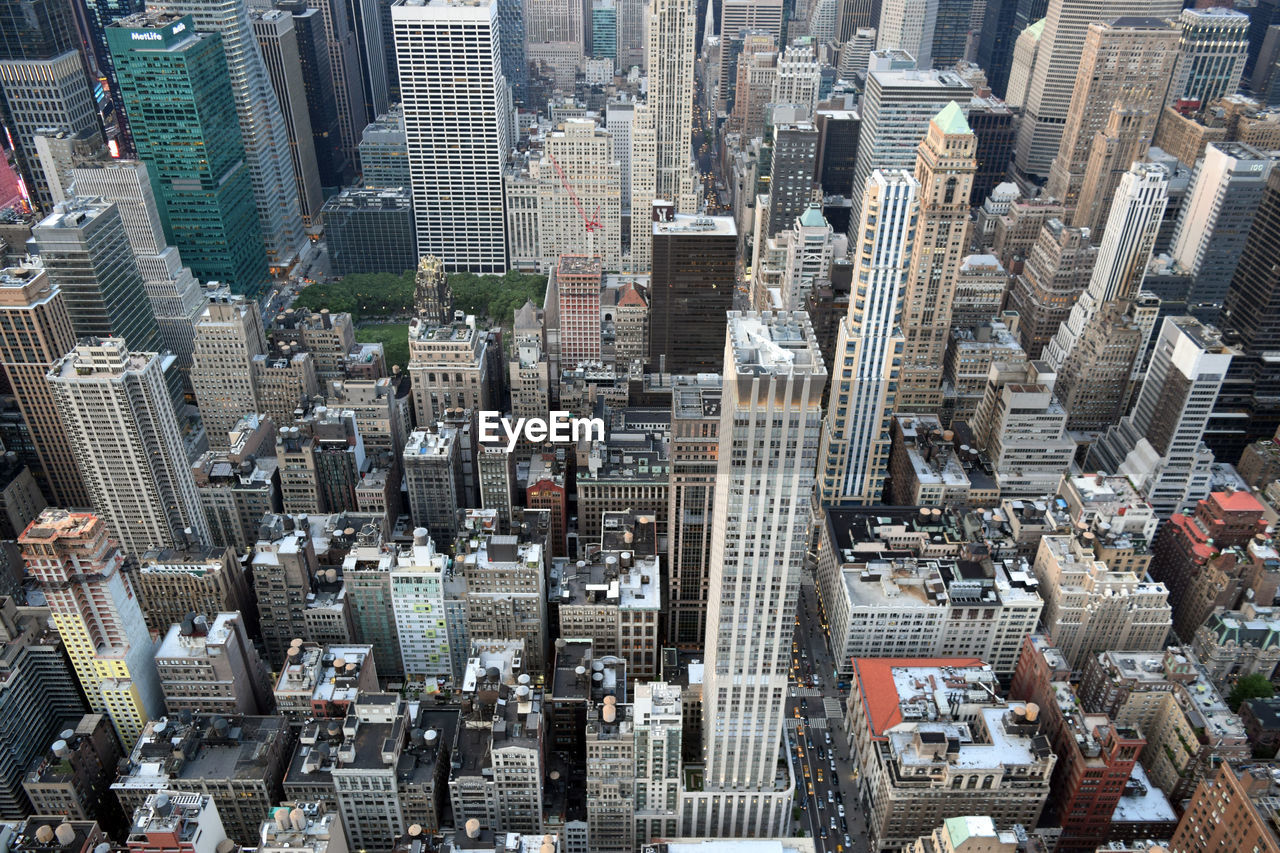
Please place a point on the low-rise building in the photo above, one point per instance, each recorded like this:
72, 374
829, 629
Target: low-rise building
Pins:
1235, 643
322, 682
211, 667
932, 738
614, 600
73, 778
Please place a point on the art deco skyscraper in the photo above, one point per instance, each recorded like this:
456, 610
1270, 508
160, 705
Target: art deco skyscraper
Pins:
125, 439
457, 146
35, 331
1123, 253
672, 28
770, 424
945, 164
1211, 55
80, 572
1126, 64
855, 440
262, 127
1048, 100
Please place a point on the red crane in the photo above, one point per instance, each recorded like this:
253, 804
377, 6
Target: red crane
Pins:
592, 222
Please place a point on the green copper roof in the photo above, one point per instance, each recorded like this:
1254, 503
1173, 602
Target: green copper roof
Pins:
1036, 29
960, 829
952, 120
813, 218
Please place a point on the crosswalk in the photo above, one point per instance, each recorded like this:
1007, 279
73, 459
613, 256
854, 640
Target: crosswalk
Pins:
807, 692
833, 707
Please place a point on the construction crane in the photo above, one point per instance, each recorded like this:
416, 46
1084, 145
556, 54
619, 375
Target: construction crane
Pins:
592, 222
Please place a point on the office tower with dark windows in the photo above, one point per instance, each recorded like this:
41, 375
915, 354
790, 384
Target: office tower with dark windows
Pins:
1211, 55
694, 277
456, 150
43, 82
370, 230
87, 255
262, 129
183, 120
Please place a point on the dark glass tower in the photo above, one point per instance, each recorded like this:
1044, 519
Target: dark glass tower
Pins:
694, 275
178, 96
1248, 406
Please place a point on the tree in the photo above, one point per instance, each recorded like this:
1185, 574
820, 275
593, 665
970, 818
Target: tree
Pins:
1253, 686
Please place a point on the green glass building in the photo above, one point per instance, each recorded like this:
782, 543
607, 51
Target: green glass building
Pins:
177, 95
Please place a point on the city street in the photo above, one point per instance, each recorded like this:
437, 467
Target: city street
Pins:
813, 714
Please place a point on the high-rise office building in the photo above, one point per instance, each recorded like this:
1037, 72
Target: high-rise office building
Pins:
1002, 23
370, 230
1052, 79
1212, 51
262, 126
228, 335
855, 453
79, 568
736, 18
1160, 445
580, 195
908, 25
100, 13
1126, 64
795, 157
125, 439
772, 409
384, 153
578, 290
174, 293
35, 331
1246, 410
347, 79
671, 28
944, 170
604, 29
799, 78
87, 255
695, 262
43, 81
896, 110
183, 120
695, 448
278, 40
456, 151
335, 157
1055, 273
1123, 253
1225, 192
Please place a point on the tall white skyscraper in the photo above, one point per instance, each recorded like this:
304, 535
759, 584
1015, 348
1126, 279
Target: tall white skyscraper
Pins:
855, 441
770, 427
1160, 445
1053, 76
798, 78
1123, 254
457, 145
125, 439
673, 25
266, 139
908, 25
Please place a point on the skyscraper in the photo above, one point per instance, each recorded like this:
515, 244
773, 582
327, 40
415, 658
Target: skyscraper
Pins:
228, 335
262, 127
183, 119
80, 572
1211, 55
737, 17
855, 441
580, 203
1123, 253
772, 418
1225, 192
908, 25
672, 26
125, 439
695, 448
695, 261
1160, 445
174, 293
945, 164
278, 40
35, 332
1002, 23
1055, 273
87, 254
344, 67
43, 82
1048, 101
456, 149
795, 156
1125, 65
896, 110
578, 289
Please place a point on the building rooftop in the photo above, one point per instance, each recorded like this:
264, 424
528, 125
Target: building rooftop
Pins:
774, 343
687, 224
1143, 802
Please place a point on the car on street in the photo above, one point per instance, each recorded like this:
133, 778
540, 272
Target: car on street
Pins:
842, 811
847, 842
